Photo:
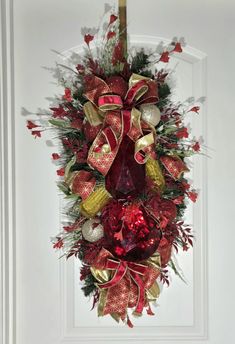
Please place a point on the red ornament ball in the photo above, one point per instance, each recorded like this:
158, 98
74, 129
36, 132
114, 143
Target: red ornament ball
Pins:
117, 85
130, 233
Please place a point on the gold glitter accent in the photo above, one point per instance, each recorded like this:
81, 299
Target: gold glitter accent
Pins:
154, 172
95, 202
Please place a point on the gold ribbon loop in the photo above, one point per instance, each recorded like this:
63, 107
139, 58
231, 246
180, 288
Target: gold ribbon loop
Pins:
135, 78
92, 114
141, 145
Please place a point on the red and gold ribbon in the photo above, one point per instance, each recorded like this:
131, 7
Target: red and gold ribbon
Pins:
174, 165
134, 271
125, 284
121, 117
94, 198
83, 183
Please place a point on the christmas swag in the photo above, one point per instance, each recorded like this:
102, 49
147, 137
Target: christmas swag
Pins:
122, 154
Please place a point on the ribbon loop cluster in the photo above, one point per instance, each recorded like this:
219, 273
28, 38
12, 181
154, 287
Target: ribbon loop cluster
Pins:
133, 270
119, 117
124, 284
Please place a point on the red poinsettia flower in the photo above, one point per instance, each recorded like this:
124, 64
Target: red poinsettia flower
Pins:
177, 48
88, 38
36, 133
60, 172
68, 95
111, 34
59, 244
194, 109
58, 112
112, 19
192, 195
196, 146
182, 133
55, 156
165, 57
31, 125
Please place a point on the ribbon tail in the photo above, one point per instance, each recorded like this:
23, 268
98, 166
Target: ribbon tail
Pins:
129, 323
141, 295
149, 310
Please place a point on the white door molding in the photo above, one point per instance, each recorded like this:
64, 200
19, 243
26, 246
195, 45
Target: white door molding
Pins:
7, 178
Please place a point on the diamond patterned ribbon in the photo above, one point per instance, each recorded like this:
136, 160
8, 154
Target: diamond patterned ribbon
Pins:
174, 165
83, 183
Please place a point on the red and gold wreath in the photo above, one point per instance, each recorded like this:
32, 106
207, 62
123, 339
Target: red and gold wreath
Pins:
123, 145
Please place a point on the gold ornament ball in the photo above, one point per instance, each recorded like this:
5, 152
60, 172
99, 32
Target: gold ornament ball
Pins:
150, 113
92, 230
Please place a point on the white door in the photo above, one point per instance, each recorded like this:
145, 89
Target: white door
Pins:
41, 301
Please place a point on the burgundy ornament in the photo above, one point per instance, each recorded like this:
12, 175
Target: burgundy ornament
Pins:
130, 233
126, 178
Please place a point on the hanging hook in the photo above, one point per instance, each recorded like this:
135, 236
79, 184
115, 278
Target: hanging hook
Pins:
123, 24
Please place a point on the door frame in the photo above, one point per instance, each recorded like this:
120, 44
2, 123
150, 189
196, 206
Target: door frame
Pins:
7, 178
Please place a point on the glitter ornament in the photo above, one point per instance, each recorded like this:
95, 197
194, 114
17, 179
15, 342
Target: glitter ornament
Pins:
150, 114
131, 234
92, 230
